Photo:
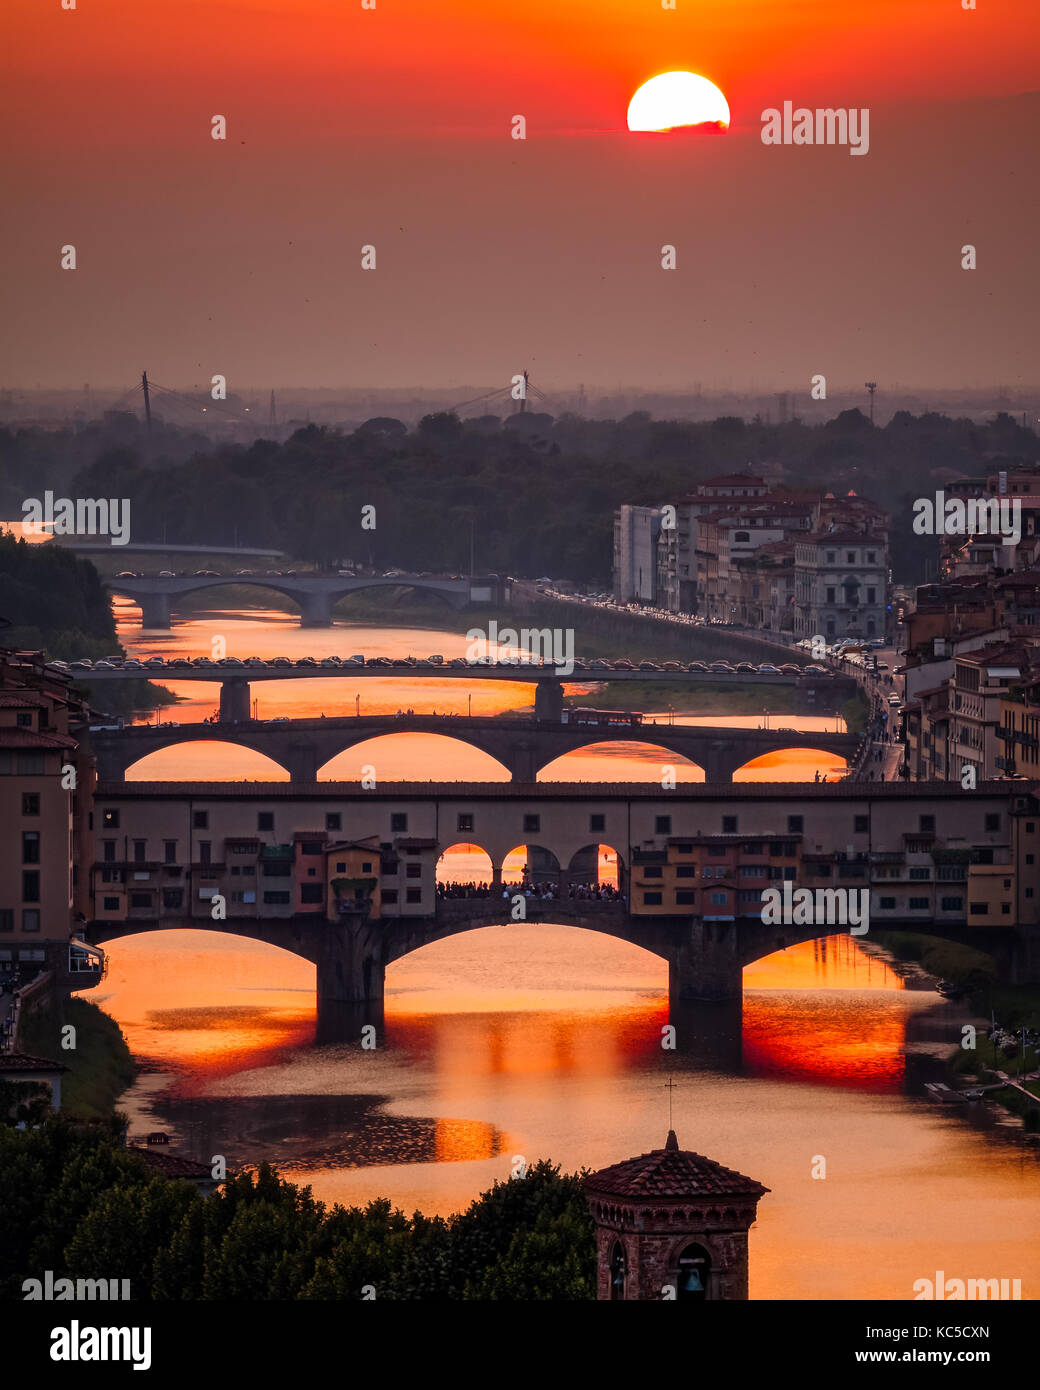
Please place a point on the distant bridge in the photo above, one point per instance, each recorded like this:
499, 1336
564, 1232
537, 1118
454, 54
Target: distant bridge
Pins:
316, 595
524, 747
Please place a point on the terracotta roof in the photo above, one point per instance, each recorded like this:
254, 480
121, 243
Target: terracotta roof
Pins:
23, 1061
672, 1172
12, 737
169, 1165
18, 699
733, 480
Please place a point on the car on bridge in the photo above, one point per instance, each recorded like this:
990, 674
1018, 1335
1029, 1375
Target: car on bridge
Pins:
230, 661
331, 661
279, 661
623, 665
698, 668
817, 671
721, 668
306, 661
382, 661
746, 666
255, 661
132, 664
80, 665
649, 666
766, 670
356, 660
790, 669
672, 666
127, 574
203, 661
599, 664
167, 574
207, 574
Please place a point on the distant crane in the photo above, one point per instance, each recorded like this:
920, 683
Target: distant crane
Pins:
871, 387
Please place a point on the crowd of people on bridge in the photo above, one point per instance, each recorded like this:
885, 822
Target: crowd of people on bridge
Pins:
548, 891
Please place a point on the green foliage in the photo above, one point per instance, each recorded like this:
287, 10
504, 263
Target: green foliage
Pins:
540, 491
100, 1066
74, 1201
24, 1102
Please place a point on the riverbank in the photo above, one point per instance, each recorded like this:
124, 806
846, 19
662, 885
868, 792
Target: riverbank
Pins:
1014, 1007
99, 1067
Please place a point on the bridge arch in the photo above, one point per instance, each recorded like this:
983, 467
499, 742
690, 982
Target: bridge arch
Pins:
652, 757
465, 861
806, 760
254, 764
444, 597
404, 763
597, 863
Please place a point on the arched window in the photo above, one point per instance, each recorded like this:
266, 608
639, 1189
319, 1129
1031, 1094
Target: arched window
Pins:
694, 1269
617, 1271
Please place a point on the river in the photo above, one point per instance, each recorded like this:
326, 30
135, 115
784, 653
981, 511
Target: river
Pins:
542, 1040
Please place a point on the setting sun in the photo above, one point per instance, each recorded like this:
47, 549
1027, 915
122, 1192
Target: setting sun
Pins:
674, 99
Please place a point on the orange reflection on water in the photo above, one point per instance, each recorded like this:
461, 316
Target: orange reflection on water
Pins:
823, 1033
462, 1141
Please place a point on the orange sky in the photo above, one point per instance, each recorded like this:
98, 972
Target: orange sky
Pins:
391, 126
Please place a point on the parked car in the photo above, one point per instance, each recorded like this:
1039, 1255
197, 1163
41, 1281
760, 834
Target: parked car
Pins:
331, 661
721, 668
279, 661
357, 659
699, 668
746, 666
790, 669
766, 670
306, 661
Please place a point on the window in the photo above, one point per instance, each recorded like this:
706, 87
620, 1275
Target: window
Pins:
277, 868
794, 825
684, 849
24, 721
719, 899
753, 847
729, 825
532, 823
30, 803
141, 900
276, 898
110, 820
653, 871
1005, 909
30, 885
265, 820
662, 825
920, 871
830, 595
887, 904
205, 851
651, 899
685, 896
850, 557
169, 850
6, 919
686, 871
413, 871
597, 822
992, 822
465, 822
111, 904
311, 847
30, 846
389, 895
926, 825
31, 764
830, 557
399, 822
30, 919
978, 909
871, 557
413, 895
366, 866
333, 820
918, 904
139, 848
870, 595
341, 867
108, 851
861, 825
312, 893
953, 904
716, 851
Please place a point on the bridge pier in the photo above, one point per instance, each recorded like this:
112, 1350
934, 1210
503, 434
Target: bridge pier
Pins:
302, 763
706, 964
349, 961
548, 700
315, 610
155, 611
234, 701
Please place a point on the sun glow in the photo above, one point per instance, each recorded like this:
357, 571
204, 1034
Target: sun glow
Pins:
674, 99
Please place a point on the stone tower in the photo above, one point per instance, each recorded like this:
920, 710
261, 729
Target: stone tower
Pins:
672, 1224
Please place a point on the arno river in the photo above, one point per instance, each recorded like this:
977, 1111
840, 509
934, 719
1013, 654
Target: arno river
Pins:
545, 1041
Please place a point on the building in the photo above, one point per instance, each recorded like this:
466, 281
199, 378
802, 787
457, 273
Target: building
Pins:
673, 1225
20, 1067
841, 584
635, 554
46, 788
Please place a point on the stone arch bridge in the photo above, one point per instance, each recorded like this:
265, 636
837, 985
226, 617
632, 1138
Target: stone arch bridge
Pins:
524, 747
